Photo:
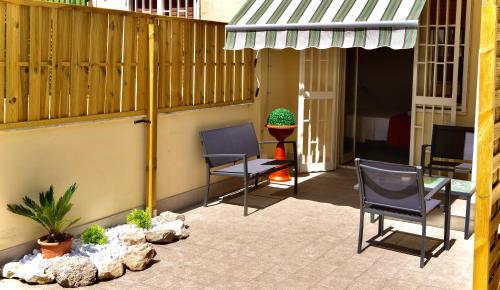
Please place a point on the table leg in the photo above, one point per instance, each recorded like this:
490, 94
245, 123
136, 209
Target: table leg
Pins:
447, 215
467, 218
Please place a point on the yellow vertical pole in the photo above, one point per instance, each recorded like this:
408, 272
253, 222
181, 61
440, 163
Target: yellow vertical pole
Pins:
485, 143
152, 126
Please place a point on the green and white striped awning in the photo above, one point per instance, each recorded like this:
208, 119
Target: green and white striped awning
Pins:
300, 24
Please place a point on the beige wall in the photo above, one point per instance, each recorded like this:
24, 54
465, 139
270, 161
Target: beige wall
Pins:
106, 159
180, 164
220, 10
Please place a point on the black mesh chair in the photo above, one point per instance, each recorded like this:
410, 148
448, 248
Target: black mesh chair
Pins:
395, 190
451, 149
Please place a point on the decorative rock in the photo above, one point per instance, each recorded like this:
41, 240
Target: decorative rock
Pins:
160, 236
10, 269
169, 216
133, 238
74, 272
184, 234
138, 257
110, 270
45, 278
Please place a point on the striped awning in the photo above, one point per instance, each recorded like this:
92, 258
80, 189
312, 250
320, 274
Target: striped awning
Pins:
301, 24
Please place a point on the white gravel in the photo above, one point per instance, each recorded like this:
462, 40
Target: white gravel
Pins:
33, 264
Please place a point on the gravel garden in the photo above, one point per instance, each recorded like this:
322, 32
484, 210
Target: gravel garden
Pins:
98, 254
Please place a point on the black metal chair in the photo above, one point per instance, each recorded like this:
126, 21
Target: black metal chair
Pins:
231, 151
394, 190
451, 149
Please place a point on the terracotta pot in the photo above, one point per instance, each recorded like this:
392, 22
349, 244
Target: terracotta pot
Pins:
280, 133
53, 250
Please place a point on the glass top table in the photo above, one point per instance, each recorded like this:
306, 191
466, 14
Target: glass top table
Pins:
458, 187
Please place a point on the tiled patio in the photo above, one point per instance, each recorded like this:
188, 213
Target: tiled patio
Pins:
299, 242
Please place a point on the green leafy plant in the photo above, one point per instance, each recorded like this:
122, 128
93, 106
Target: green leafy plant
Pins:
94, 234
140, 218
49, 213
281, 117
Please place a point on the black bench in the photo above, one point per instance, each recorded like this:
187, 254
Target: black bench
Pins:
234, 151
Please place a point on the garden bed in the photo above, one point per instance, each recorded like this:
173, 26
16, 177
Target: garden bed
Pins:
128, 247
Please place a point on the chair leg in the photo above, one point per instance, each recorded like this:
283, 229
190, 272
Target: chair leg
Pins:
380, 225
245, 196
372, 218
361, 223
207, 189
256, 181
422, 244
467, 218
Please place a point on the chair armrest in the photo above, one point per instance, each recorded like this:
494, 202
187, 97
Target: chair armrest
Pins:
223, 155
423, 154
438, 188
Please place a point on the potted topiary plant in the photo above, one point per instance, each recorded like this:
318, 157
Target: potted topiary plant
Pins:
51, 215
280, 124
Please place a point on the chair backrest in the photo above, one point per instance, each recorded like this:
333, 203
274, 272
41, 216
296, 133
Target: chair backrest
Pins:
452, 142
391, 185
239, 139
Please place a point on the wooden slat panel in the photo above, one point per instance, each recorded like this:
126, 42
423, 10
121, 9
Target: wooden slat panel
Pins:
238, 80
142, 63
176, 72
98, 49
129, 64
24, 47
165, 63
199, 84
114, 67
79, 55
210, 64
219, 87
228, 77
45, 56
12, 53
63, 55
188, 53
35, 63
248, 74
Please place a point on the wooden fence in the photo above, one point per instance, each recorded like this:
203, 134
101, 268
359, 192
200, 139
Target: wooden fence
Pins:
487, 241
61, 63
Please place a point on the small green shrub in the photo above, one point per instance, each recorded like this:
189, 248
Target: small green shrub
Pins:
140, 218
94, 235
281, 117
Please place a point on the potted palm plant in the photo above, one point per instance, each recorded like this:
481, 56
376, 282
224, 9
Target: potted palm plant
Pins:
52, 216
280, 124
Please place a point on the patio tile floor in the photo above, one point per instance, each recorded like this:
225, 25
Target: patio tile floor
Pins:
300, 242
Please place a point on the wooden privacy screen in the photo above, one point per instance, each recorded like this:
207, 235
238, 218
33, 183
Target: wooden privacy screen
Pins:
61, 63
487, 242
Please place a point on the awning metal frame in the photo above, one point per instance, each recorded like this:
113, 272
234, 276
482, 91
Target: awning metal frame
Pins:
324, 26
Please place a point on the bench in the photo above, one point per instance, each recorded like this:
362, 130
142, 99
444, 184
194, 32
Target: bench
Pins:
235, 151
